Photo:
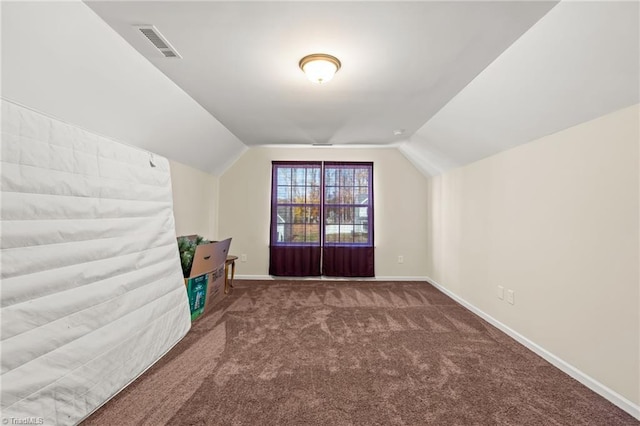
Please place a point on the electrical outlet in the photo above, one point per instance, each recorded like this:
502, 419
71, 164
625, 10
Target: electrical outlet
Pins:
500, 292
510, 296
243, 258
400, 259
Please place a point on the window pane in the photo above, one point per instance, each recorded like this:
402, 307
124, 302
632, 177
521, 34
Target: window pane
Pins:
346, 177
346, 215
284, 215
332, 215
346, 196
298, 195
314, 214
313, 177
313, 233
284, 233
284, 194
346, 233
331, 233
360, 237
361, 177
297, 233
307, 214
330, 177
299, 176
313, 195
331, 195
284, 176
298, 214
361, 195
361, 215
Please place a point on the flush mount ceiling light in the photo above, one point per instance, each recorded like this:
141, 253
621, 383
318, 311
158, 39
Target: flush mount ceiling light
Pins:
319, 67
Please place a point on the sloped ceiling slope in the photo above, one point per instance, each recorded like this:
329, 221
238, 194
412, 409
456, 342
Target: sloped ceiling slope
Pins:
579, 62
60, 59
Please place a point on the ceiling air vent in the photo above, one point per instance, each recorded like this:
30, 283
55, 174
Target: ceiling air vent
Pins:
153, 35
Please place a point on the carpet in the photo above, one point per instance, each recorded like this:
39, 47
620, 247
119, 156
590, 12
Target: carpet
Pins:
351, 353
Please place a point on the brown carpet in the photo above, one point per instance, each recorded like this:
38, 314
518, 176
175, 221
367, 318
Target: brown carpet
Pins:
351, 353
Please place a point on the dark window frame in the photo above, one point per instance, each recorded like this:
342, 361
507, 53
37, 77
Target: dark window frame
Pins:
348, 203
279, 228
276, 225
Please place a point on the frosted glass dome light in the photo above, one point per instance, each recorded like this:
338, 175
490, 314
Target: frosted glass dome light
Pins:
320, 67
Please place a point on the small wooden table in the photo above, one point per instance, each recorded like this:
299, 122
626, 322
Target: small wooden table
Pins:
228, 283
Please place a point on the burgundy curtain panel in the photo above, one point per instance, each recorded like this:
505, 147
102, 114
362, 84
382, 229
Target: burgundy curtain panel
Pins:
295, 261
348, 262
322, 219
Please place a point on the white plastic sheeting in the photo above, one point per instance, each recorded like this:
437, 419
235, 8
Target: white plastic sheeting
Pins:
92, 291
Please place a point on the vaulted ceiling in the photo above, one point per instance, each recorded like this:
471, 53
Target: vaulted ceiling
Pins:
464, 80
401, 61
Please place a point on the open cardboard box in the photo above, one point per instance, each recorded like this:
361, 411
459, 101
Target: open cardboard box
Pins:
208, 261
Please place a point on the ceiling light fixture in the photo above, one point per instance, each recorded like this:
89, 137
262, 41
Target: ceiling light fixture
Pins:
319, 67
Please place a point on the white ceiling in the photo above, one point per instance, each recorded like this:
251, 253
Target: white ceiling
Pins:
401, 61
465, 79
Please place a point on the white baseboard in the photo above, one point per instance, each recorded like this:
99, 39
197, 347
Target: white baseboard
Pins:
399, 278
323, 278
591, 383
253, 277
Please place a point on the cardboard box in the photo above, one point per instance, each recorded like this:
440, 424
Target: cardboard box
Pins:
215, 291
208, 261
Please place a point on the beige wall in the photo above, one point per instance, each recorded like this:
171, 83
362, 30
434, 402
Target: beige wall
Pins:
556, 220
194, 201
400, 205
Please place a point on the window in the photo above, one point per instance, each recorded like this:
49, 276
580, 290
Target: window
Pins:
297, 204
321, 219
348, 203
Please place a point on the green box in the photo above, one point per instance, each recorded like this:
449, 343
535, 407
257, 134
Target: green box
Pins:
197, 292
